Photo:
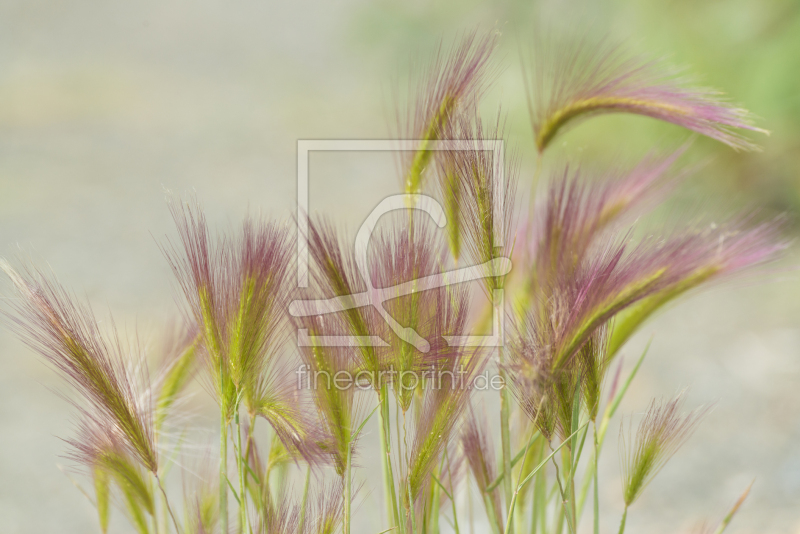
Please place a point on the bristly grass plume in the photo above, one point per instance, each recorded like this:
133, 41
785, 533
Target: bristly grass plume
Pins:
573, 80
566, 287
661, 433
451, 81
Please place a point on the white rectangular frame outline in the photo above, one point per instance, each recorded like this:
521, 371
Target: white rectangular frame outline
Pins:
306, 146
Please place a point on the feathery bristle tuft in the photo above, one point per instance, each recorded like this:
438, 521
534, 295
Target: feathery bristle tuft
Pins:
238, 293
337, 404
699, 257
335, 274
575, 80
444, 400
477, 445
483, 212
661, 433
67, 334
178, 368
103, 449
451, 81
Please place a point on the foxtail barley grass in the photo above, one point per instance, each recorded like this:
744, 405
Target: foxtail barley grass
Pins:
582, 285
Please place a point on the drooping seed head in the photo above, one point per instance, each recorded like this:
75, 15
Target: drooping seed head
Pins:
452, 79
334, 274
558, 344
103, 450
478, 182
262, 256
445, 399
579, 208
285, 405
112, 380
326, 510
201, 266
407, 269
201, 494
571, 80
178, 366
476, 442
700, 256
237, 289
661, 433
337, 407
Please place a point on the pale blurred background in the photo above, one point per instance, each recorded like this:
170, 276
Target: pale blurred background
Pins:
105, 108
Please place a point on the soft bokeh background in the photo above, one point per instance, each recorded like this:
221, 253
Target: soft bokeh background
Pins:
107, 107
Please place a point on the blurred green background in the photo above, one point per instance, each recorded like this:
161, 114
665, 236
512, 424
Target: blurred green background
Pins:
106, 108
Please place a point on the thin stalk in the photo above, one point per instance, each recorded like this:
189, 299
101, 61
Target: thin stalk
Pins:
223, 471
601, 431
386, 457
243, 521
352, 437
452, 497
732, 512
571, 455
588, 478
539, 490
169, 508
410, 511
163, 519
519, 519
494, 521
516, 493
596, 487
347, 495
402, 515
407, 462
577, 459
622, 523
572, 495
541, 480
154, 517
514, 462
561, 514
505, 424
470, 510
305, 500
536, 470
509, 520
569, 483
249, 443
265, 483
436, 503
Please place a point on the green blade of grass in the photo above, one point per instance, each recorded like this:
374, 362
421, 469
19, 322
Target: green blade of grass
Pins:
439, 482
732, 512
533, 473
514, 462
601, 432
235, 495
347, 488
612, 408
